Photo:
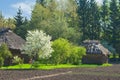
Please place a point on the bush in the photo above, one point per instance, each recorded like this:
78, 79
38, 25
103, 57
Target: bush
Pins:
17, 60
65, 52
61, 51
106, 64
36, 64
4, 53
76, 54
1, 61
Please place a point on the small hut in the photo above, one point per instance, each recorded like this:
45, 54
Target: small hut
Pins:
13, 41
96, 53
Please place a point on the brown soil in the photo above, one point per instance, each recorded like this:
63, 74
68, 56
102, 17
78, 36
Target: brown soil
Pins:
101, 73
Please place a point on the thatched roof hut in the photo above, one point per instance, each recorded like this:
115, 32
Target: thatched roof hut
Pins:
95, 52
13, 41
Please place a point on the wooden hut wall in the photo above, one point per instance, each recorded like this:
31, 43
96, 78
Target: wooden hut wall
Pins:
94, 59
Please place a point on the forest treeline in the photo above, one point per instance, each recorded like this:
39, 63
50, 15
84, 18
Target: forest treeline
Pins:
74, 20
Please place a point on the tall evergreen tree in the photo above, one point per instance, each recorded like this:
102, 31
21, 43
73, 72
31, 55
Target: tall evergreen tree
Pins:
115, 24
118, 34
105, 19
21, 24
19, 18
89, 17
114, 17
83, 14
94, 19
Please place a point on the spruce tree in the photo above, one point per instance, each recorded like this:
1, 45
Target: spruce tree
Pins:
83, 14
21, 24
105, 19
115, 22
94, 21
19, 18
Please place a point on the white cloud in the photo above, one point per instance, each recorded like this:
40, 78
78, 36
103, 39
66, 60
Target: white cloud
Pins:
26, 6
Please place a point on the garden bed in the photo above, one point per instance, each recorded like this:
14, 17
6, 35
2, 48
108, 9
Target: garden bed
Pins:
99, 73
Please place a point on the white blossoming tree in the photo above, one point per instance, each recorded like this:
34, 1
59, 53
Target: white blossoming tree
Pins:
38, 44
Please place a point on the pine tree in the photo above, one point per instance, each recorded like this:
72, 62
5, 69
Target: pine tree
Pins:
83, 14
105, 19
21, 24
19, 18
115, 23
94, 19
114, 17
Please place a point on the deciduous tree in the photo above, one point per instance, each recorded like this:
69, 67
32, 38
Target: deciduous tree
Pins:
38, 44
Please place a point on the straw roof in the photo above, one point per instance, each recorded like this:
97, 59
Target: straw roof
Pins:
11, 39
94, 47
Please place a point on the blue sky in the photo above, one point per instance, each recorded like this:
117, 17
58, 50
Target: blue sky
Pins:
10, 7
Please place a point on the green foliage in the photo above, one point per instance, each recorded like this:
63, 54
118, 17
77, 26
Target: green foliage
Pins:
22, 24
114, 30
17, 60
61, 50
4, 53
1, 61
65, 52
76, 54
19, 18
6, 23
56, 22
105, 18
94, 27
83, 15
36, 64
109, 47
106, 65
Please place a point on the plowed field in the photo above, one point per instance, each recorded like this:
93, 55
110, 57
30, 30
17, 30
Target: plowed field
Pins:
100, 73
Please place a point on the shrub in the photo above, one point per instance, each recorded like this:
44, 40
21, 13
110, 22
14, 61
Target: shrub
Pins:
65, 52
36, 64
61, 51
1, 61
4, 53
17, 60
106, 64
76, 54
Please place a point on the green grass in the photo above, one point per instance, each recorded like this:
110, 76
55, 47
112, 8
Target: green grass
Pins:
106, 65
50, 66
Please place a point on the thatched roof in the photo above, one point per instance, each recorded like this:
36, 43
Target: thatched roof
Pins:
94, 47
11, 39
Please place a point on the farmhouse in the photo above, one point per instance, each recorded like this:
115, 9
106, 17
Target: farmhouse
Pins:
13, 41
96, 53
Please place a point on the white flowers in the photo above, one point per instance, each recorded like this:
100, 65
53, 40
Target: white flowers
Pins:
37, 42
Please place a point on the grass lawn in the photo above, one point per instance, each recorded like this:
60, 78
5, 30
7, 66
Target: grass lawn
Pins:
50, 66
